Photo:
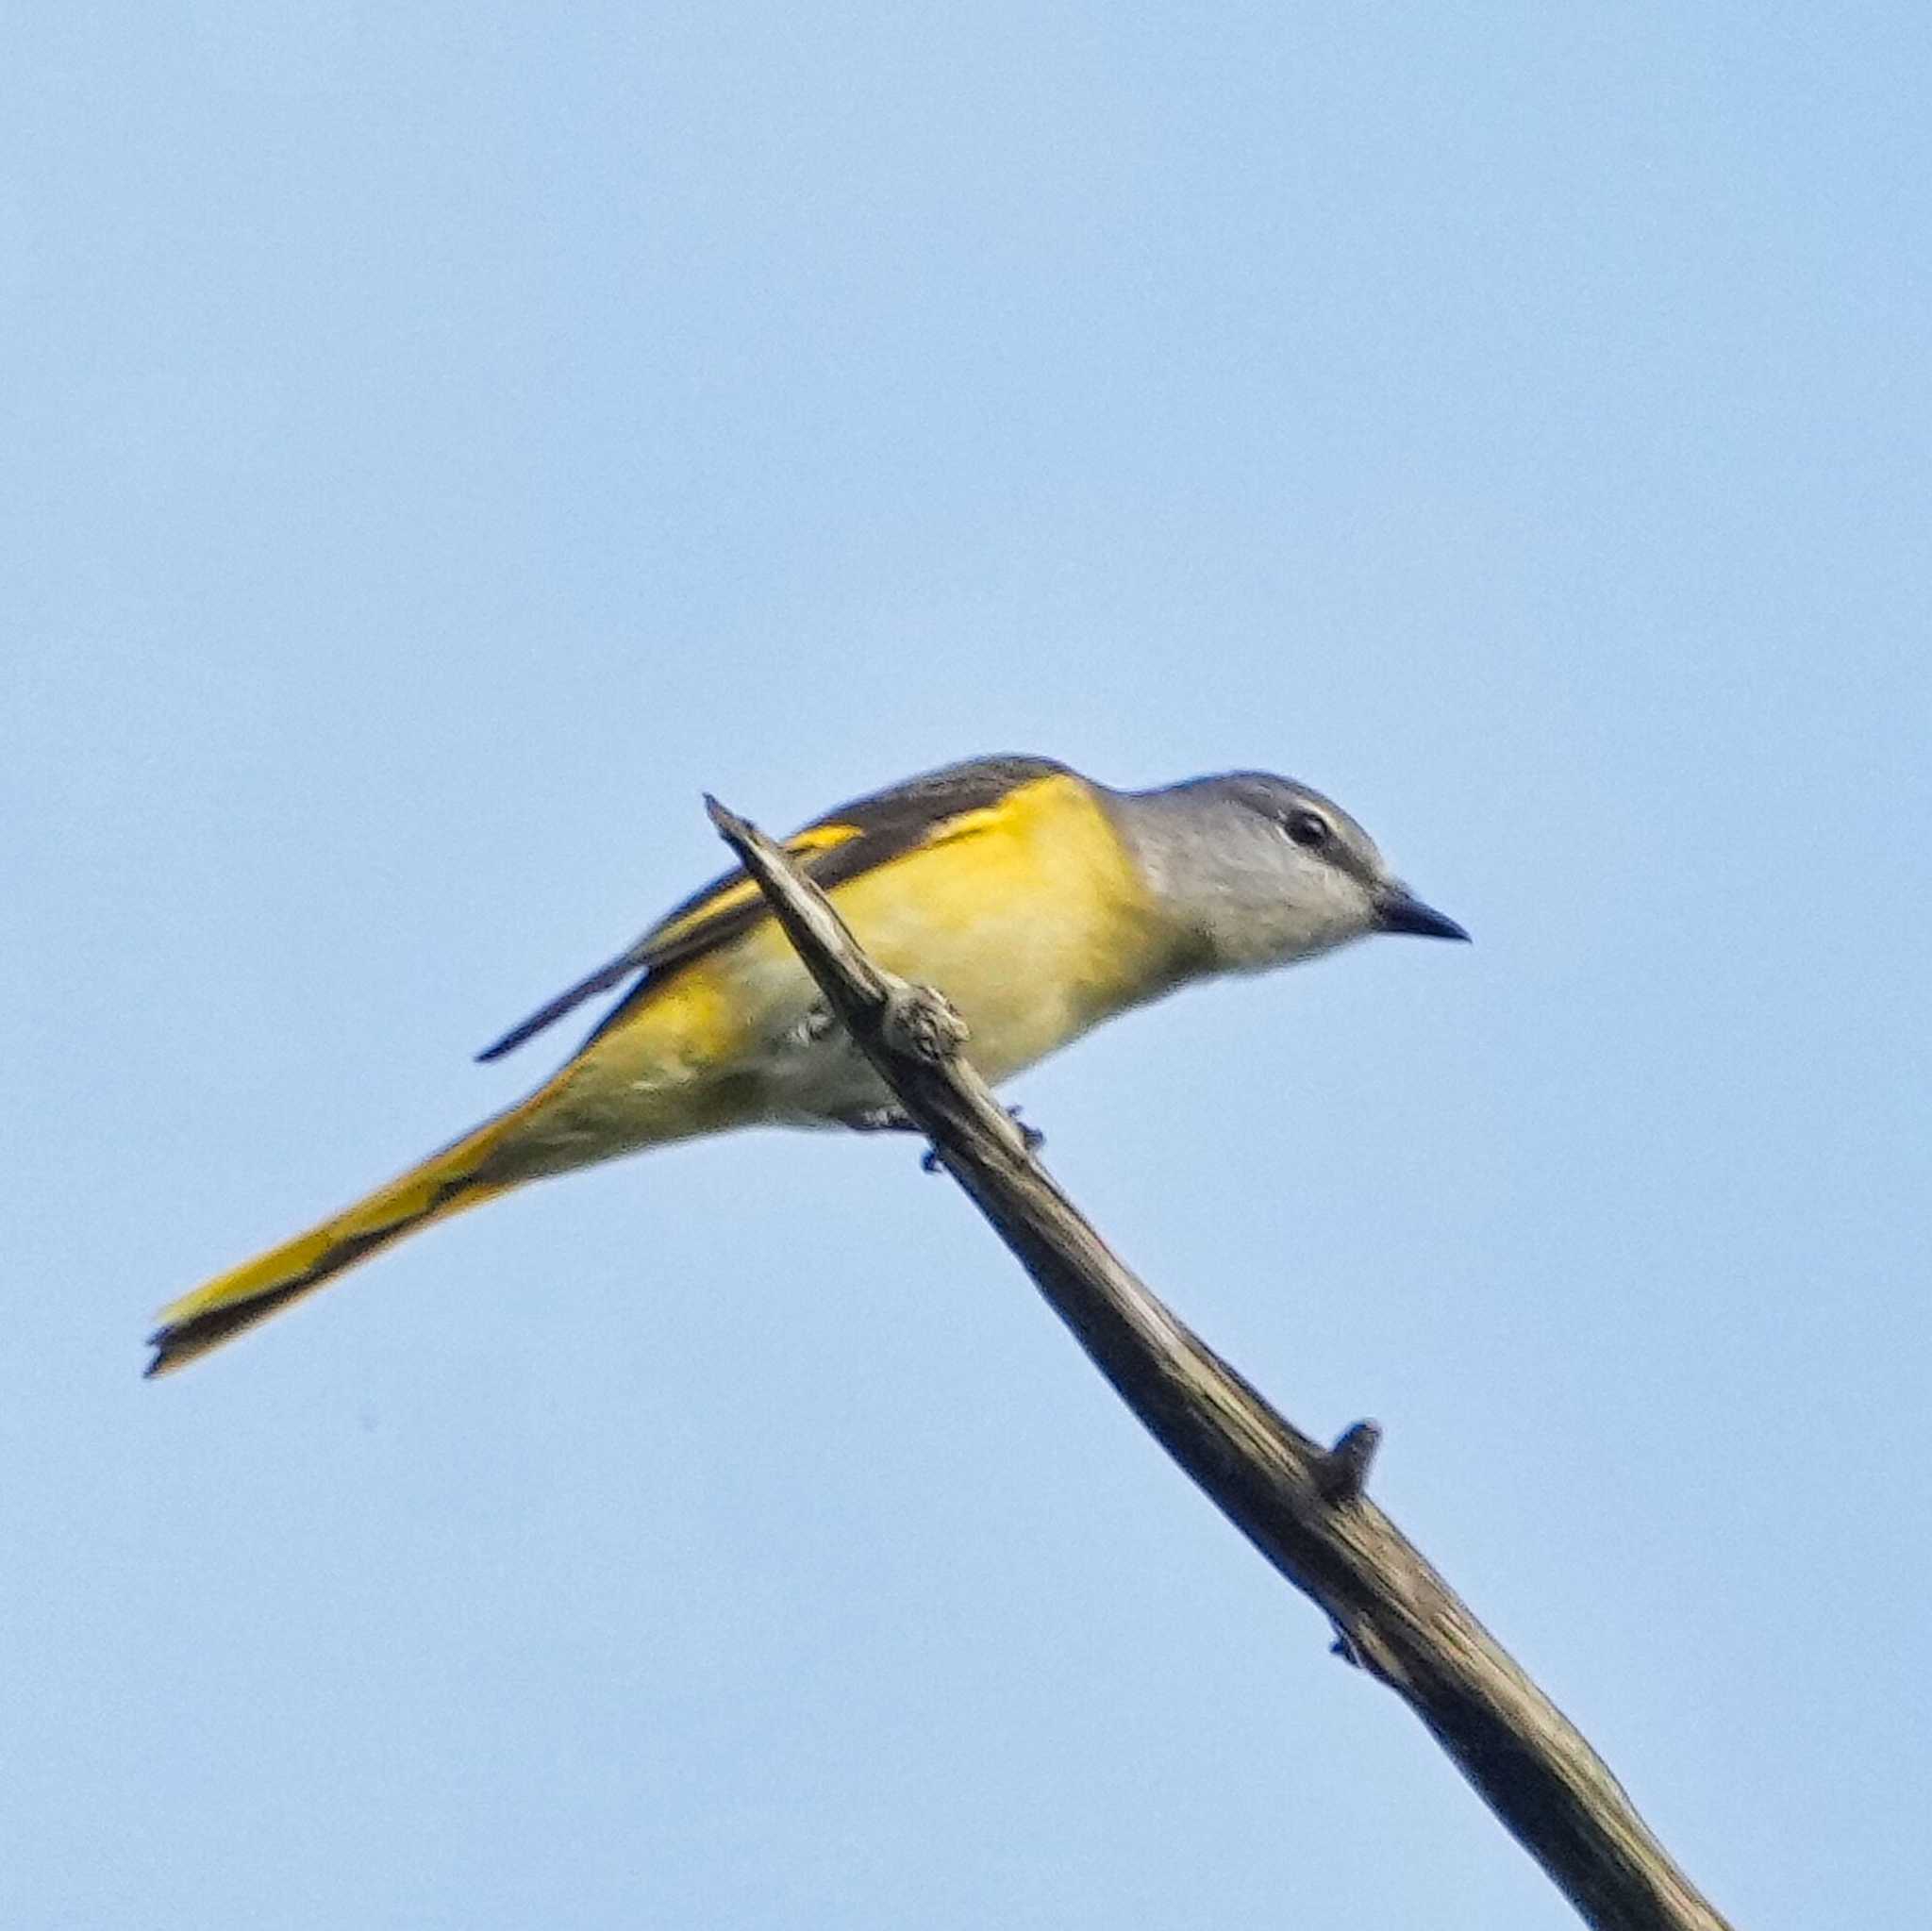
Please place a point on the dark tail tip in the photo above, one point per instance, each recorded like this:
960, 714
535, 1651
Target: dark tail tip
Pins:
181, 1342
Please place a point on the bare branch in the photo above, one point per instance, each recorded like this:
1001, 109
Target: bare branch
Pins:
1300, 1504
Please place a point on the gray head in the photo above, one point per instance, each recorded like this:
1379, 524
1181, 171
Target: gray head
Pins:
1263, 870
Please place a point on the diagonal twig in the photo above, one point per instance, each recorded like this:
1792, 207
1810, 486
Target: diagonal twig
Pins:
1299, 1502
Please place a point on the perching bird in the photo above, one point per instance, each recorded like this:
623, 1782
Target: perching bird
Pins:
1040, 902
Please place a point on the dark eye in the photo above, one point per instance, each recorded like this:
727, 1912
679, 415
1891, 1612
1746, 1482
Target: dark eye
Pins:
1308, 829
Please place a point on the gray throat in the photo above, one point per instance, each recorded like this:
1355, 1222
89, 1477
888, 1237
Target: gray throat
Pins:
1173, 847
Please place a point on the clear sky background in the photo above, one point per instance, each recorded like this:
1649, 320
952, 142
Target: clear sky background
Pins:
439, 441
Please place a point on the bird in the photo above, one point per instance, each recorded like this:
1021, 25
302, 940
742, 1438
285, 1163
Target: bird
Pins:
1040, 902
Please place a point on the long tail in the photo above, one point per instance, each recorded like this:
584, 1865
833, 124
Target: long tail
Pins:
447, 1183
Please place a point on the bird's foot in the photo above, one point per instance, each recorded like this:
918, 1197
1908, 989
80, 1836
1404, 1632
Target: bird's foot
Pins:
1030, 1137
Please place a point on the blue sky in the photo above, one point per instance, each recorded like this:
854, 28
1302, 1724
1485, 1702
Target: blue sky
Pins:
442, 441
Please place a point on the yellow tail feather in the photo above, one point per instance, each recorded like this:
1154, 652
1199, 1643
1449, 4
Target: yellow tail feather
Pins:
444, 1184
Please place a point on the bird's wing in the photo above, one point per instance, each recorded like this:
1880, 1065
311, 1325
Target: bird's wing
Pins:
855, 839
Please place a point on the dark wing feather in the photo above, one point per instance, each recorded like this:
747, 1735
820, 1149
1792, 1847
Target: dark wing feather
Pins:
842, 845
603, 977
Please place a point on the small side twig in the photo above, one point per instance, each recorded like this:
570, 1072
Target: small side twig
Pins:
1300, 1504
1343, 1471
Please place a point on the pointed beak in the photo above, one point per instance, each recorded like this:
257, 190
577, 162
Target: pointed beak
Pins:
1402, 911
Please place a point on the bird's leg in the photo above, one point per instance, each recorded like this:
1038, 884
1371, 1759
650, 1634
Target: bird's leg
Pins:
890, 1119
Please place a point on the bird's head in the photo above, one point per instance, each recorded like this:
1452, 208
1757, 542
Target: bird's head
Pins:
1266, 872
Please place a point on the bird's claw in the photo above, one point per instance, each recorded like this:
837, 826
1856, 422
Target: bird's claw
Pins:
1030, 1137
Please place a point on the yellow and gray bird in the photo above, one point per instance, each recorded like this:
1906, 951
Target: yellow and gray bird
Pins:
1040, 902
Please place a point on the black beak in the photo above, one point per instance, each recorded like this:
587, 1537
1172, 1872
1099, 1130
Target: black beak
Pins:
1402, 911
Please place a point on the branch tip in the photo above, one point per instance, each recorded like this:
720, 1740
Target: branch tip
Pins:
728, 820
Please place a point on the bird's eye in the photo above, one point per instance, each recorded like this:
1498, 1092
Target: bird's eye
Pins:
1308, 829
